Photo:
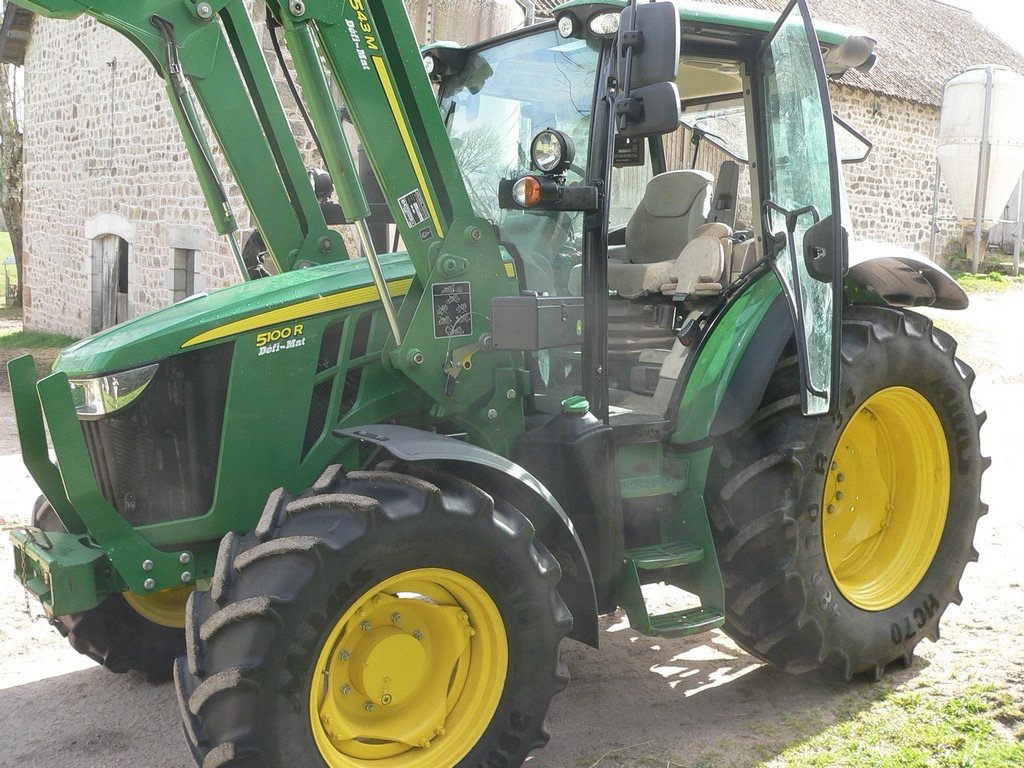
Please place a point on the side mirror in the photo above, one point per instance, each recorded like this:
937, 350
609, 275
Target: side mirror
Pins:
652, 109
648, 44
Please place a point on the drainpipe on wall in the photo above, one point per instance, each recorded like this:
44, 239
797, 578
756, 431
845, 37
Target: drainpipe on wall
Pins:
1020, 228
935, 211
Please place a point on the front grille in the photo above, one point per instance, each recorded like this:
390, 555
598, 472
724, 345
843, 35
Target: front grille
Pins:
156, 460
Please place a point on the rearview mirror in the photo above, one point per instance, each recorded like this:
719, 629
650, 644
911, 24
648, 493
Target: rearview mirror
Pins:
648, 44
652, 109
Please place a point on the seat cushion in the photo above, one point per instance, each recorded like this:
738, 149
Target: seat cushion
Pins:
631, 281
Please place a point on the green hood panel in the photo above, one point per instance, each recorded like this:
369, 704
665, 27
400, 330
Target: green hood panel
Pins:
214, 317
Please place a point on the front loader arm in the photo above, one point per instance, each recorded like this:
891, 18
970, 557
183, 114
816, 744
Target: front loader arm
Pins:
198, 44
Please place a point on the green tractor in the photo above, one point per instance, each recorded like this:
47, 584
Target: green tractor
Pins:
358, 504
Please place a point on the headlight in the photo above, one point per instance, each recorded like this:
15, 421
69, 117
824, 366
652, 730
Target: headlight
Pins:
568, 25
97, 397
552, 151
604, 24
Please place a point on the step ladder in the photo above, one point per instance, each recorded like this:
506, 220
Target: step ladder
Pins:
667, 556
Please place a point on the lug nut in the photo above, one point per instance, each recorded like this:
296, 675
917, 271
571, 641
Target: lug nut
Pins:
186, 578
840, 477
839, 494
368, 706
365, 626
149, 584
147, 565
418, 635
831, 509
184, 558
204, 10
492, 414
346, 689
396, 618
344, 655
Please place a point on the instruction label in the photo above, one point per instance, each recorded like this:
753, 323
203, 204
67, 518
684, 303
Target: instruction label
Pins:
452, 304
414, 208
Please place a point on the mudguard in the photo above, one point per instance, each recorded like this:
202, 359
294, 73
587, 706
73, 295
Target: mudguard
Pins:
890, 275
499, 476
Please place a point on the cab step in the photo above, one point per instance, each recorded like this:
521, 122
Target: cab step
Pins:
670, 555
692, 621
659, 557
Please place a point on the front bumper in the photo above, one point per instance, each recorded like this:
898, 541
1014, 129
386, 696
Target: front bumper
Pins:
66, 574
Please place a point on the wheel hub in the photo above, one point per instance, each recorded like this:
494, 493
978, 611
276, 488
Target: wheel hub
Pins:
388, 666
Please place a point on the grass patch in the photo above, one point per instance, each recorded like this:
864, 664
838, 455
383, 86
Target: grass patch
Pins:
34, 340
919, 730
991, 282
6, 249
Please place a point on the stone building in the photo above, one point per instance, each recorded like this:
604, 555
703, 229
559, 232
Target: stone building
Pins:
115, 223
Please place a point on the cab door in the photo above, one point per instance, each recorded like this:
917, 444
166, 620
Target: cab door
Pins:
799, 183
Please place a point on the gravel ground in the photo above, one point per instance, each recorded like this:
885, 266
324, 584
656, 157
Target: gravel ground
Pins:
637, 701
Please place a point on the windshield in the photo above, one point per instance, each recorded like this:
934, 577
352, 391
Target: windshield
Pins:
502, 98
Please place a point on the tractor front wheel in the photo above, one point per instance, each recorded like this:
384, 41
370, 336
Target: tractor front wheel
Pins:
126, 632
388, 619
843, 538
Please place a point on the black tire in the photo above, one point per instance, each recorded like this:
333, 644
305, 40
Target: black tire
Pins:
113, 634
765, 494
255, 639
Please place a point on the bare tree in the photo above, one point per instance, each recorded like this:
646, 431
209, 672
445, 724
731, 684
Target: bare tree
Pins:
11, 139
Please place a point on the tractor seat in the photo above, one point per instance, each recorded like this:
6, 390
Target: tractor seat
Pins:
674, 207
696, 270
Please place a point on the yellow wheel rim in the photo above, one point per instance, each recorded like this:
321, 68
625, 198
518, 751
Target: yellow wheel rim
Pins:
166, 607
411, 675
886, 498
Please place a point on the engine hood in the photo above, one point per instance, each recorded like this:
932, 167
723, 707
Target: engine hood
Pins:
213, 318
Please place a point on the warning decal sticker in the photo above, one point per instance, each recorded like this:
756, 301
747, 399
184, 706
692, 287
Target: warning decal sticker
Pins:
414, 208
452, 304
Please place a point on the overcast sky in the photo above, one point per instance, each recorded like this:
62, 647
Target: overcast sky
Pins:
1004, 17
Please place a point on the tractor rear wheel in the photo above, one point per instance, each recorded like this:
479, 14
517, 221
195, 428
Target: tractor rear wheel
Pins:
126, 632
397, 619
842, 538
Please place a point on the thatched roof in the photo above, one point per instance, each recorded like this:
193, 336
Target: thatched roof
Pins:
921, 43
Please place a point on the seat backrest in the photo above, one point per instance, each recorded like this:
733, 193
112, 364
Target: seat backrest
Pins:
674, 205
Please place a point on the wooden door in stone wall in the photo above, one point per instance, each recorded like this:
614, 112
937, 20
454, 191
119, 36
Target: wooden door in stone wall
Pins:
114, 281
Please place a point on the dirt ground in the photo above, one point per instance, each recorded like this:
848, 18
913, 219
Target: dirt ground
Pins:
636, 702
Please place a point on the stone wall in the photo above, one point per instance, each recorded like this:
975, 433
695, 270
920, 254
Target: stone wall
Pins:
103, 152
891, 193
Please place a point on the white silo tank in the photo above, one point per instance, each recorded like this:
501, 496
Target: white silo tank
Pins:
962, 132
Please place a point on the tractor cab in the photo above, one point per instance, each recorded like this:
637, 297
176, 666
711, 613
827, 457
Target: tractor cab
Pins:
684, 217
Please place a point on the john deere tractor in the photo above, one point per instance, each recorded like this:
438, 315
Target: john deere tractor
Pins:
358, 504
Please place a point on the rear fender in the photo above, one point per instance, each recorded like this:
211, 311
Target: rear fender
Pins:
501, 477
888, 275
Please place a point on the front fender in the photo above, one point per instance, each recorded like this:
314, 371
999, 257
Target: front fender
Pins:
890, 275
501, 477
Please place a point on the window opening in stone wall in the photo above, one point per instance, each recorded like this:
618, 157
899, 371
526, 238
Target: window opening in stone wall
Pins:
183, 273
